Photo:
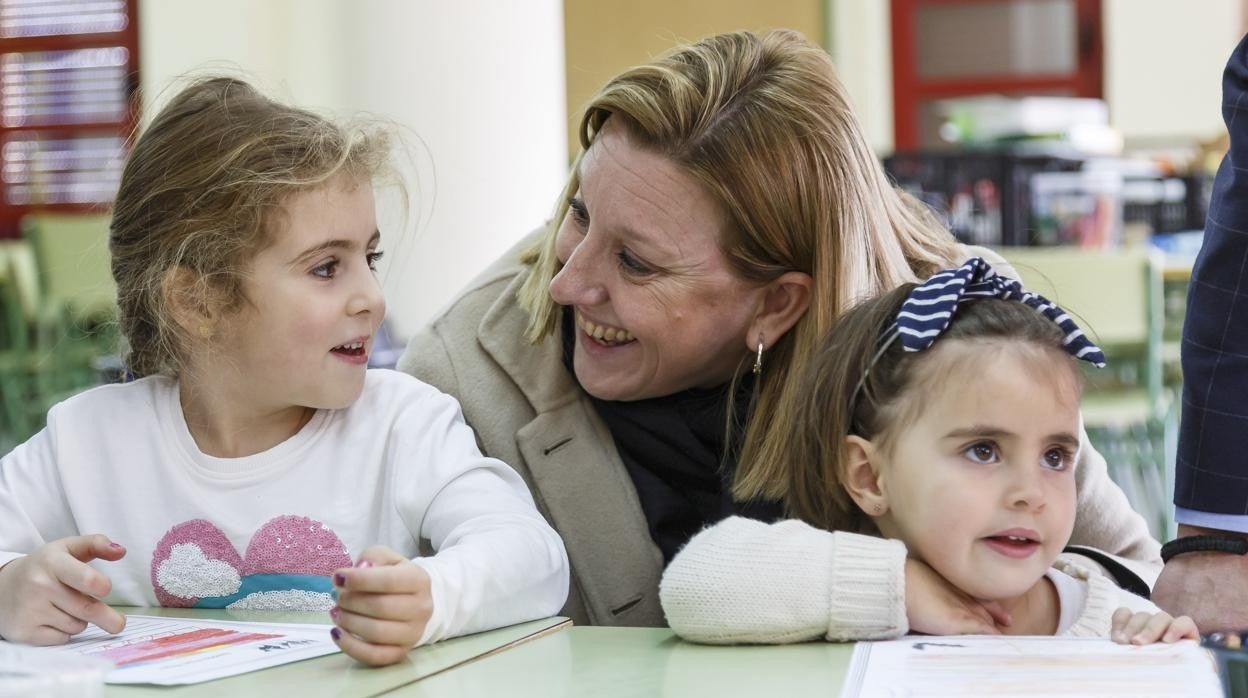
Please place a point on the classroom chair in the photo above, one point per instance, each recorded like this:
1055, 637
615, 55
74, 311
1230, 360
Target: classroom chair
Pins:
18, 363
72, 310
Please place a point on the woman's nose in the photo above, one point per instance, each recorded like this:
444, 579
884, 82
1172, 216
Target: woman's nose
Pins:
578, 282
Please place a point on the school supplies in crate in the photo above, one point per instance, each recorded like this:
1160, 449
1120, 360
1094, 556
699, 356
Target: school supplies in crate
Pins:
983, 196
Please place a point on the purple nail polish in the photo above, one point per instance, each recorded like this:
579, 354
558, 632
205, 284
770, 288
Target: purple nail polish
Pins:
339, 579
115, 545
335, 633
334, 612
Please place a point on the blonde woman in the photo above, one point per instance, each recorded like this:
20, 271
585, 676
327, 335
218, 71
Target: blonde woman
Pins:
636, 362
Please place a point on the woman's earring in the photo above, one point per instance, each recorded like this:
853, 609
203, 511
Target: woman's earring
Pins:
758, 360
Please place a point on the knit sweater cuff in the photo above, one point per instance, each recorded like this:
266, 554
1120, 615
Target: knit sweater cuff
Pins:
1104, 597
868, 591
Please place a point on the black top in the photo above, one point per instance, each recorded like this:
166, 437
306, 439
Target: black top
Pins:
673, 448
1211, 472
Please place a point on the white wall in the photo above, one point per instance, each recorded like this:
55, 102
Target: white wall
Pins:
861, 48
177, 37
476, 85
1163, 64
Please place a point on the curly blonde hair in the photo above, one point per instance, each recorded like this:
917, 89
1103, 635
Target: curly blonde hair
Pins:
202, 191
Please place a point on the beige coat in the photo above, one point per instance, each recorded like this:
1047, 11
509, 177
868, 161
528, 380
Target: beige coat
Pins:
529, 412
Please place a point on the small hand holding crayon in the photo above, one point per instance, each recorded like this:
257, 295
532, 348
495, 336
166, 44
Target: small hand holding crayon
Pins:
52, 594
384, 603
1130, 628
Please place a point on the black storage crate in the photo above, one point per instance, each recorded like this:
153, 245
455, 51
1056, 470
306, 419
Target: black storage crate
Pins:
983, 197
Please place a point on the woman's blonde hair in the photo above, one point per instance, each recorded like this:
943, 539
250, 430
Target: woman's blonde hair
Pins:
763, 123
202, 190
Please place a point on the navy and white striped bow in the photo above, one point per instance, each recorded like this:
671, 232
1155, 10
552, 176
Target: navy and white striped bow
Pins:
929, 309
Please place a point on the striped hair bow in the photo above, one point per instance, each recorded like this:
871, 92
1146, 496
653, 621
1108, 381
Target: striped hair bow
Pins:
930, 307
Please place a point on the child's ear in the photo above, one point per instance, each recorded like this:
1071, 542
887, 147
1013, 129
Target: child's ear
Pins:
861, 476
186, 295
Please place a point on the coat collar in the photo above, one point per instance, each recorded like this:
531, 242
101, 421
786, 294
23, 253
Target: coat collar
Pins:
537, 369
577, 473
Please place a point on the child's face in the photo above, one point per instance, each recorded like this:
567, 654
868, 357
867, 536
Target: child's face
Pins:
303, 336
981, 486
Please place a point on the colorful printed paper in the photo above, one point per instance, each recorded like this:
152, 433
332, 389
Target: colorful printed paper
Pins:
173, 651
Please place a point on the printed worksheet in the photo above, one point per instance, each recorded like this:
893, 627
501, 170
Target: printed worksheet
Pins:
961, 666
173, 651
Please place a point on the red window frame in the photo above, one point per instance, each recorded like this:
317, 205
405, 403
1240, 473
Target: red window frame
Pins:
128, 38
910, 90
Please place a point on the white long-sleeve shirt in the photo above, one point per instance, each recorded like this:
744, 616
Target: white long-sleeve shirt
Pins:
398, 466
744, 581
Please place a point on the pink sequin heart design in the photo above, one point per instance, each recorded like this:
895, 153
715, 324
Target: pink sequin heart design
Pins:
195, 561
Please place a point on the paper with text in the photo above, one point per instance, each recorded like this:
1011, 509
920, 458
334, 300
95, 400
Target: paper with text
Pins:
174, 651
961, 666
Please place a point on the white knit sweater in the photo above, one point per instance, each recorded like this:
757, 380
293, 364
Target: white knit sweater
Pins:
744, 581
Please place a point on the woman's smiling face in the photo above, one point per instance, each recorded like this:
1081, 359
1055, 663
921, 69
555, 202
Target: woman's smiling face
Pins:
658, 308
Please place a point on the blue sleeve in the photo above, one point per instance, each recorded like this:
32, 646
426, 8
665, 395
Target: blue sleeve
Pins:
1203, 519
1211, 472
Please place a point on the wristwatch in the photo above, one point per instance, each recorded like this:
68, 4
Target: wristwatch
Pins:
1218, 543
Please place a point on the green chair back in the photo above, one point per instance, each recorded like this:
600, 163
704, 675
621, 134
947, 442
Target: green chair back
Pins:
19, 293
71, 253
18, 301
1114, 295
24, 277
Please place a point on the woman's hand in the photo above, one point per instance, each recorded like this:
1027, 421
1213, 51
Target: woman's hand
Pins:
51, 594
935, 607
384, 603
1131, 628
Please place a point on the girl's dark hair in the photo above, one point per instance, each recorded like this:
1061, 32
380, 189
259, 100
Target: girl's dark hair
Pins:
202, 190
833, 411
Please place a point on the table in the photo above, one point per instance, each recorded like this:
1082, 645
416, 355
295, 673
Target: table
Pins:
337, 674
609, 662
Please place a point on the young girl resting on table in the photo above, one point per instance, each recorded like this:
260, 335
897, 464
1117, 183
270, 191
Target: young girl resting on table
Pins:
255, 456
943, 416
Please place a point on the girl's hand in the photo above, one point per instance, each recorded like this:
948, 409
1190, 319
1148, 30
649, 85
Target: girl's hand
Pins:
384, 603
1130, 628
51, 594
935, 607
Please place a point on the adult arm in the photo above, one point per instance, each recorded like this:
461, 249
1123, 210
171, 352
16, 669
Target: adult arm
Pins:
1210, 475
